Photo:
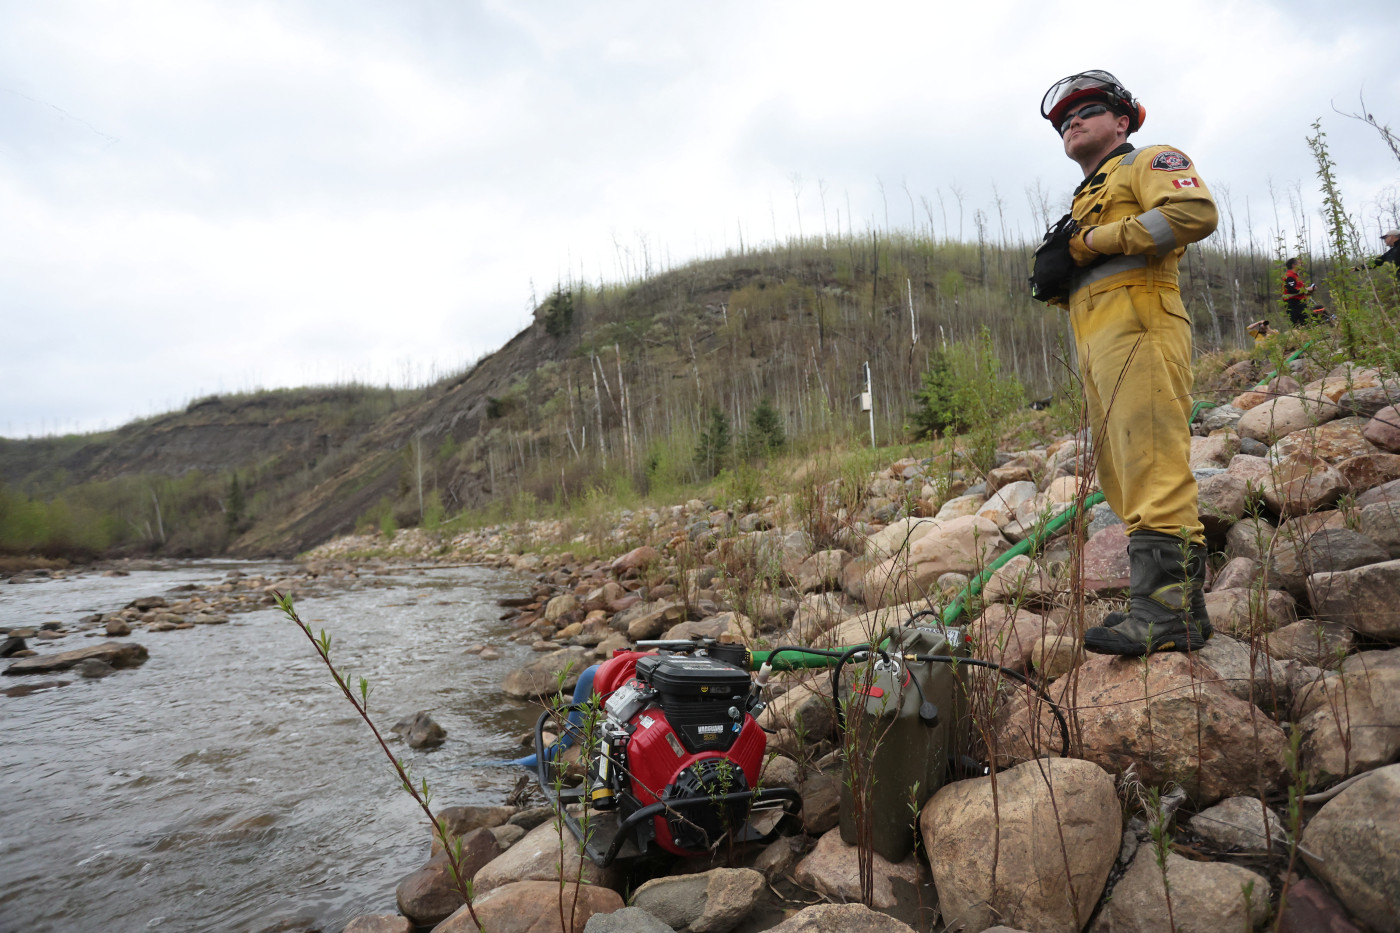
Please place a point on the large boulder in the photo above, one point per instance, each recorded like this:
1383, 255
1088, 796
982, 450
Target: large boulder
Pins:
1311, 641
636, 560
1020, 578
1221, 501
734, 627
1353, 843
833, 869
1282, 384
1381, 523
1002, 505
1334, 441
1249, 674
710, 902
1383, 429
115, 653
626, 920
1366, 599
805, 709
429, 895
651, 619
868, 626
1350, 723
1240, 823
1168, 717
822, 571
541, 677
1300, 552
1246, 612
1034, 851
537, 857
963, 545
1007, 635
1105, 560
817, 613
461, 820
1299, 484
534, 907
1369, 470
1273, 419
1213, 451
897, 537
1206, 897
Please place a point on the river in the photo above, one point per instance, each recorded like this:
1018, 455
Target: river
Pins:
225, 784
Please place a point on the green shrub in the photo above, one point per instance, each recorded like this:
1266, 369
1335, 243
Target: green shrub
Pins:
712, 451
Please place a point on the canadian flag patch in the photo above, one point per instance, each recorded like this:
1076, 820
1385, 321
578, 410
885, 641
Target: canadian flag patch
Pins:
1185, 183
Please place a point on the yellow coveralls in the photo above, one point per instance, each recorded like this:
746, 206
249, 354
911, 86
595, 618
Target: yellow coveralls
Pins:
1133, 334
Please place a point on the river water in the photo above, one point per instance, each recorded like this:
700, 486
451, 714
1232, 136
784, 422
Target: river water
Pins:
225, 784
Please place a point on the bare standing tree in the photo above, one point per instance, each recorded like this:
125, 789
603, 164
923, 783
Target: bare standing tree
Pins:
1392, 141
796, 180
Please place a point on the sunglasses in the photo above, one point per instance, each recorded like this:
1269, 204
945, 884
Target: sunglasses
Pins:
1083, 113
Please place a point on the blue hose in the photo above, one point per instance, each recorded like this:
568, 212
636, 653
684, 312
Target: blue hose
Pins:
582, 692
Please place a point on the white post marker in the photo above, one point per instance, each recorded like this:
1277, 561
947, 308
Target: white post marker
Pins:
867, 404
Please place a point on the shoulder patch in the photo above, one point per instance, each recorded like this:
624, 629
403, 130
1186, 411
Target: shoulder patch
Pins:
1169, 160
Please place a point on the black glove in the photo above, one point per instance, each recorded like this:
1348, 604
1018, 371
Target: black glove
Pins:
1054, 267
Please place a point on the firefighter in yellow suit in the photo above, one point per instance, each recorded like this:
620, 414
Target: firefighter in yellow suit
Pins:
1135, 212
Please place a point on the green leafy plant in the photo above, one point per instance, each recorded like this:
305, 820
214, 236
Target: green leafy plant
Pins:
358, 697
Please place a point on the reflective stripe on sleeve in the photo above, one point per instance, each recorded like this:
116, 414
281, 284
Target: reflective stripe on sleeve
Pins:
1162, 236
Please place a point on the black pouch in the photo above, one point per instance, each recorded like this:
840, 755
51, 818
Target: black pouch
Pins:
1054, 267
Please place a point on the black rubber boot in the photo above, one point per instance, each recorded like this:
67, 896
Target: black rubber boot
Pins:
1167, 611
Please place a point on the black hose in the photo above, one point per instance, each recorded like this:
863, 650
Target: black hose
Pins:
945, 659
1016, 675
836, 686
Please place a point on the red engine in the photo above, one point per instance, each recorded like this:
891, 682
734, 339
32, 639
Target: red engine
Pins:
678, 730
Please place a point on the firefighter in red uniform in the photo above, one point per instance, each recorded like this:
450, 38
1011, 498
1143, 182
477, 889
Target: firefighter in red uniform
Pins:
1132, 217
1295, 293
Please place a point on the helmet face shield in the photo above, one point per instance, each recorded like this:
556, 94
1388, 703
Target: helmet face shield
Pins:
1088, 85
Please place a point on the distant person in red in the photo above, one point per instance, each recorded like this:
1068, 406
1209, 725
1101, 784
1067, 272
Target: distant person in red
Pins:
1295, 293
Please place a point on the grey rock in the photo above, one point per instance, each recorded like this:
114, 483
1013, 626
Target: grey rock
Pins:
626, 920
93, 668
712, 902
117, 654
1353, 844
532, 817
420, 730
1221, 416
1205, 897
379, 923
841, 918
1240, 823
1381, 523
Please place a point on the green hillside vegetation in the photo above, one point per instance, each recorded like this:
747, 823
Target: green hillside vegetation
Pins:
617, 392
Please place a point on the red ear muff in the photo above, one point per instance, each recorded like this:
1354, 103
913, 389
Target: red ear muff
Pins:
1140, 115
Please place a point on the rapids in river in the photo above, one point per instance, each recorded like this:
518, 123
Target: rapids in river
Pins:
226, 784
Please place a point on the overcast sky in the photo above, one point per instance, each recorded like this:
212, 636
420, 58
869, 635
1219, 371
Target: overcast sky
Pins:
203, 196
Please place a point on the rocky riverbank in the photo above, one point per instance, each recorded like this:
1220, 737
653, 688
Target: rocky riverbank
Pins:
1254, 779
1250, 783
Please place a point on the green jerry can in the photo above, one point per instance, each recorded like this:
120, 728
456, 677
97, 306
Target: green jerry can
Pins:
904, 721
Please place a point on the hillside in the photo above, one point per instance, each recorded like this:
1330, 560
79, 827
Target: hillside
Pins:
610, 386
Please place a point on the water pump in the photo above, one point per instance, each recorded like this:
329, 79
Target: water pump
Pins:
673, 755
